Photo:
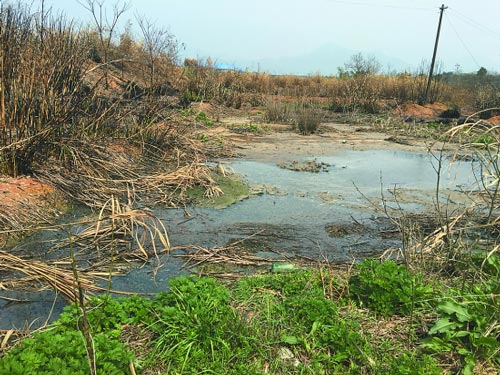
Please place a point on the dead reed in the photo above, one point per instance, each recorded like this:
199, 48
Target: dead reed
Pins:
59, 279
228, 255
119, 227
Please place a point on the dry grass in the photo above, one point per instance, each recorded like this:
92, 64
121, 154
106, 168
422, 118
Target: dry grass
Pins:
91, 174
59, 279
227, 255
94, 253
121, 228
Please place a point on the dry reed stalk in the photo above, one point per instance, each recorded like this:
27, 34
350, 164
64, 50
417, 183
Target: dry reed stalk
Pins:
21, 216
482, 139
102, 241
232, 254
112, 232
95, 174
60, 279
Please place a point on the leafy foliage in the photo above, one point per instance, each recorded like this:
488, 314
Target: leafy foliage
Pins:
388, 288
468, 325
203, 118
291, 309
277, 323
62, 351
197, 328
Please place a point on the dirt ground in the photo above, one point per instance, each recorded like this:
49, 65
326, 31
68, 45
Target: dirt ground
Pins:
24, 202
14, 191
282, 144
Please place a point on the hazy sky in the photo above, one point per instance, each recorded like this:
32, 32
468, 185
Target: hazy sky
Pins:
236, 30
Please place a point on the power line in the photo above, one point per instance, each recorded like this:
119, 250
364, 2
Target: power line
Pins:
462, 41
476, 24
381, 5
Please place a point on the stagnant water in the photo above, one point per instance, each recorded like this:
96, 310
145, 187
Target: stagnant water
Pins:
329, 214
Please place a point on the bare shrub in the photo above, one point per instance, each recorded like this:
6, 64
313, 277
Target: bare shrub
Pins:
360, 89
278, 111
161, 50
307, 119
105, 27
303, 115
487, 98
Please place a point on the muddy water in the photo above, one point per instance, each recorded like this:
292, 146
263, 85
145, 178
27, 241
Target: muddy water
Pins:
297, 212
332, 214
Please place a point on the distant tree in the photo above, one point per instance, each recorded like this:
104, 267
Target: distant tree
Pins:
127, 43
482, 72
359, 65
161, 49
105, 26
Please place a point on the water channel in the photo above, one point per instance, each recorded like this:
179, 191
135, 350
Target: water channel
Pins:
330, 214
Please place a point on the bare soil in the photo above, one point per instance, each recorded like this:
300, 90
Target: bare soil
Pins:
24, 202
282, 144
429, 111
15, 191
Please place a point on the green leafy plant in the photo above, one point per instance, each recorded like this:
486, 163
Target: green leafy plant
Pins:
203, 138
197, 327
249, 128
203, 118
293, 323
186, 112
292, 310
484, 139
388, 288
468, 325
61, 350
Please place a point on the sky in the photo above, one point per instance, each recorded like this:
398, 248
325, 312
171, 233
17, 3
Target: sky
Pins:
244, 31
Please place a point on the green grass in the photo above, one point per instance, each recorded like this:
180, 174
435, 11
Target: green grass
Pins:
234, 188
300, 322
250, 128
484, 139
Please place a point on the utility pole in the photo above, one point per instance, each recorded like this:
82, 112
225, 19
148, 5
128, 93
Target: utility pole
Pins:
427, 89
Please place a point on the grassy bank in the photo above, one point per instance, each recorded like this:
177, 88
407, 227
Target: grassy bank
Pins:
375, 318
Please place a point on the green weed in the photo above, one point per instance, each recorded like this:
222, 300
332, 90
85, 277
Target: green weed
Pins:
291, 323
388, 288
198, 330
203, 138
468, 325
186, 112
484, 139
249, 128
61, 350
203, 118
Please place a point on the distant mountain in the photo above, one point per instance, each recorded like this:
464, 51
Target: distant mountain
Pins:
324, 60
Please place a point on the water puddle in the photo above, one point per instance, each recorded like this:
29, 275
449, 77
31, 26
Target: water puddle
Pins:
329, 214
296, 209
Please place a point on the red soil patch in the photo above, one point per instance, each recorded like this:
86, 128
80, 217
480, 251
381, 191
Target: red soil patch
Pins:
495, 120
13, 191
203, 107
424, 112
